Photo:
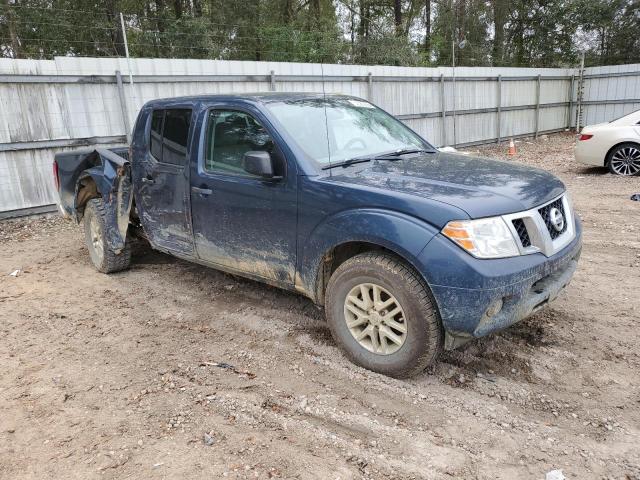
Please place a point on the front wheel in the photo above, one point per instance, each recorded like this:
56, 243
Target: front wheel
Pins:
102, 256
383, 315
625, 159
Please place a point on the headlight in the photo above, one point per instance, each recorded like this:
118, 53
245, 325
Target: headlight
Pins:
483, 238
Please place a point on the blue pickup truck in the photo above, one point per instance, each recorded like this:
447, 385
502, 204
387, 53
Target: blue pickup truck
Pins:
409, 250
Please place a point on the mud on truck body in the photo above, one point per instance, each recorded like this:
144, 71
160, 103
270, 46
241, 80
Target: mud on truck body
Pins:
409, 250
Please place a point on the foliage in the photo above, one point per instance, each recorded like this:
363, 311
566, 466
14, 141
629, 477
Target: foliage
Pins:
392, 32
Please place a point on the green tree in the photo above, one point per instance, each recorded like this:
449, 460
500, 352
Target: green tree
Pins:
608, 31
465, 24
390, 32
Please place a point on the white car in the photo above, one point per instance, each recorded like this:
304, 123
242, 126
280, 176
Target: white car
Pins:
615, 145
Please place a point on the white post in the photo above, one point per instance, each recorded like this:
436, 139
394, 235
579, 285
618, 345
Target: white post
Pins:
123, 106
498, 119
453, 88
126, 51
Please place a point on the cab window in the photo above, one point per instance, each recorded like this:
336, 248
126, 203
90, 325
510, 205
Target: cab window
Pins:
169, 135
229, 135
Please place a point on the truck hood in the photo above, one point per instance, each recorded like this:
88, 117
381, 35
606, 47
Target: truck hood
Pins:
479, 186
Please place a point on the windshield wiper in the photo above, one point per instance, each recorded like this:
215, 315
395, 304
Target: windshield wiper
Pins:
391, 156
396, 154
348, 162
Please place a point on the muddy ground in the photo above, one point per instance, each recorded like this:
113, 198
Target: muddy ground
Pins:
172, 370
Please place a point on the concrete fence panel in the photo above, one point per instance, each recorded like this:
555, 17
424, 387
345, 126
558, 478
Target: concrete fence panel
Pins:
50, 106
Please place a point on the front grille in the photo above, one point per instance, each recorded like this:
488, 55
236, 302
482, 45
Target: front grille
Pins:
545, 214
523, 234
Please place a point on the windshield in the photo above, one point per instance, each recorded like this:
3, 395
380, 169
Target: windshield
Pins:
352, 128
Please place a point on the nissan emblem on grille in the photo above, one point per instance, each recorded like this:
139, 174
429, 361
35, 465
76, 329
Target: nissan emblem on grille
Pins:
557, 219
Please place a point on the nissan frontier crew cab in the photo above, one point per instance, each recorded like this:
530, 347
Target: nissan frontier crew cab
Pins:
410, 250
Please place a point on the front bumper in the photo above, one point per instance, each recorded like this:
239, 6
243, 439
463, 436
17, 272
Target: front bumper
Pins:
477, 297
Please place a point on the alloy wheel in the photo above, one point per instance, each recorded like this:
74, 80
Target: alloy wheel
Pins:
375, 318
626, 161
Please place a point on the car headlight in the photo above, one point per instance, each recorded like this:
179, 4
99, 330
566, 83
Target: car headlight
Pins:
483, 238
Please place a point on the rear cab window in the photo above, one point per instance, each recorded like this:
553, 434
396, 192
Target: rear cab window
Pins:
169, 135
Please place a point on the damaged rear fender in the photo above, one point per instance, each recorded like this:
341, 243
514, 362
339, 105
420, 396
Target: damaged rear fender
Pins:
110, 179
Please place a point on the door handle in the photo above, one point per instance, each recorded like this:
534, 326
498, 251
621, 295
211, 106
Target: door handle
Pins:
202, 191
148, 180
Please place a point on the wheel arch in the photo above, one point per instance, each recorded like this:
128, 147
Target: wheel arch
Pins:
86, 189
353, 231
340, 253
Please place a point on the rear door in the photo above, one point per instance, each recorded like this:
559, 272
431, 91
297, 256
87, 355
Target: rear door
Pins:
162, 177
240, 221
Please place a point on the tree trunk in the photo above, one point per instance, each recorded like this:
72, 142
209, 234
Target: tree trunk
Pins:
499, 20
287, 11
397, 16
257, 31
197, 8
427, 29
363, 29
177, 8
160, 27
117, 39
13, 36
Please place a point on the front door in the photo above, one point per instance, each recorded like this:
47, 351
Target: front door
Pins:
162, 174
240, 221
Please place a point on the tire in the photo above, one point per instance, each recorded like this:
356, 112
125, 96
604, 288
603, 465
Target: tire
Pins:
103, 258
423, 334
624, 159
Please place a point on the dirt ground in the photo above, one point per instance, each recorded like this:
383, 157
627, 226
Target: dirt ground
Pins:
172, 370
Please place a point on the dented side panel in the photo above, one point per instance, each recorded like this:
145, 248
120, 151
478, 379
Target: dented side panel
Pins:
161, 190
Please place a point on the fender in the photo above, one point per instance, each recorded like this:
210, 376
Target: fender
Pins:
402, 234
111, 175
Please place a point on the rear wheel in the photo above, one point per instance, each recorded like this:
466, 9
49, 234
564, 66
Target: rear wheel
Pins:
102, 256
624, 159
383, 316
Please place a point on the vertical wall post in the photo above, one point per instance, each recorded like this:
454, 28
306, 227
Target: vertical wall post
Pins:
538, 106
570, 112
498, 119
444, 110
580, 94
272, 81
453, 111
126, 51
370, 87
123, 106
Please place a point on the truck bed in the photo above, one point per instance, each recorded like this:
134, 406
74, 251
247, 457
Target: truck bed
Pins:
99, 173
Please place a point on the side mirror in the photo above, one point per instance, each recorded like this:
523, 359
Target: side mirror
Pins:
258, 163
